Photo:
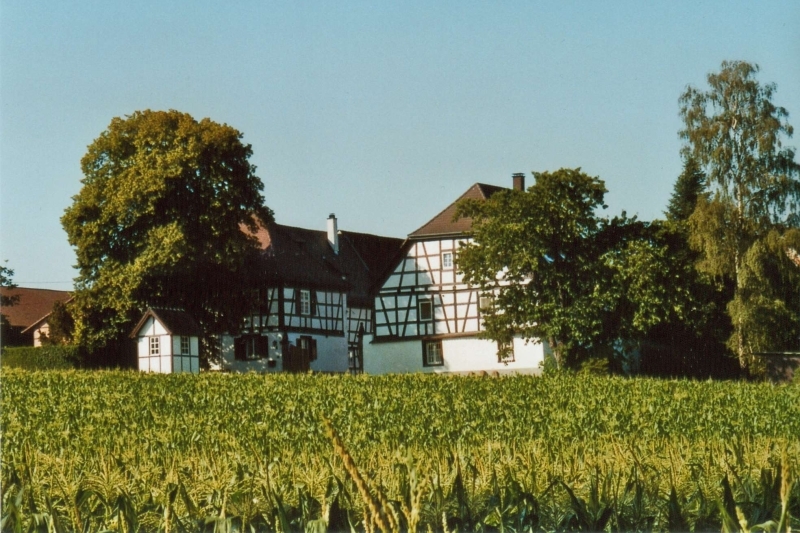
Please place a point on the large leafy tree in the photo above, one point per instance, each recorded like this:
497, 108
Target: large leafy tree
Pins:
736, 134
159, 222
6, 300
536, 253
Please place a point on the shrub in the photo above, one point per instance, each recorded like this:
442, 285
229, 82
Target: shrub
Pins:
41, 358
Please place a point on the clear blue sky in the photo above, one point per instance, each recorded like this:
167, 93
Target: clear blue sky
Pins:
380, 112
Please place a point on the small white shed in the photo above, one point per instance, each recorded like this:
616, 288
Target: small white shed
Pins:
168, 341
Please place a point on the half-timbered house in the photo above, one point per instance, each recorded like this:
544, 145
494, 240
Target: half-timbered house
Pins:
427, 319
315, 302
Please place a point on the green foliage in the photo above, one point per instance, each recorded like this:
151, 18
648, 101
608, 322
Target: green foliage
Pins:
542, 242
41, 358
222, 451
736, 133
159, 221
60, 325
689, 187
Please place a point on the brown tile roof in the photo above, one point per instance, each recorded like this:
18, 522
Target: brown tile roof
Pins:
32, 305
303, 258
175, 321
443, 223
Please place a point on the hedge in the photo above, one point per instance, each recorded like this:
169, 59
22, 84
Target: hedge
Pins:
41, 358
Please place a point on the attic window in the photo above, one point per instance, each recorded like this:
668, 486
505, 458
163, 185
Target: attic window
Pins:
425, 310
155, 346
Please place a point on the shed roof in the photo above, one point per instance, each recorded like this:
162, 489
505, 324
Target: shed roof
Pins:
31, 306
444, 224
175, 321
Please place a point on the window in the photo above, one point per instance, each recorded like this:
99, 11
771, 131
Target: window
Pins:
309, 346
155, 346
305, 302
505, 352
447, 260
184, 345
486, 302
249, 347
425, 309
432, 353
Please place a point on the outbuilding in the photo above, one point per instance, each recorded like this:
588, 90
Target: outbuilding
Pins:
168, 341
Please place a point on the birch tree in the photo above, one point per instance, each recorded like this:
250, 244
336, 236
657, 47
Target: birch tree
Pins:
736, 133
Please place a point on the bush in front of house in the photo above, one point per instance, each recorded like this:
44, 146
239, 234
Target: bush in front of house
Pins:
41, 358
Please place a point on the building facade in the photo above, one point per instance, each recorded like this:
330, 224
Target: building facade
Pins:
427, 319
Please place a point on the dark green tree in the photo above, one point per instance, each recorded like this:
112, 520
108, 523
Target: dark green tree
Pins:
61, 325
689, 187
159, 222
736, 134
6, 300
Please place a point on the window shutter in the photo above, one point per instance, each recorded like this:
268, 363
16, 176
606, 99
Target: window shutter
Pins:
239, 349
262, 346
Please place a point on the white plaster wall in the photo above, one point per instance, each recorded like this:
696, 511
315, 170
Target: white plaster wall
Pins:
331, 355
466, 354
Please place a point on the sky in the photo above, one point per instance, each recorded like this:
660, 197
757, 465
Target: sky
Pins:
380, 112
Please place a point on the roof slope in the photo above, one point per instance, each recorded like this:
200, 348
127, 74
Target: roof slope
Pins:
443, 223
304, 258
175, 321
32, 305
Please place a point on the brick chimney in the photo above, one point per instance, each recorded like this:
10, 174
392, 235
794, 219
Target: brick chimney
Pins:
519, 181
333, 233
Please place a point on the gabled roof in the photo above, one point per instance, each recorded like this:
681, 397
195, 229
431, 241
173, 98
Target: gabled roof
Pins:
303, 258
32, 304
175, 321
443, 224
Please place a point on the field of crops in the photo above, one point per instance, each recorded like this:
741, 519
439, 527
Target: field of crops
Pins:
123, 451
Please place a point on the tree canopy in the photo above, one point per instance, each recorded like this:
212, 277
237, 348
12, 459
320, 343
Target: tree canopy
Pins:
158, 222
736, 134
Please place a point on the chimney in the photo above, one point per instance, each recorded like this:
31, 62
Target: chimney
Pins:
333, 233
519, 181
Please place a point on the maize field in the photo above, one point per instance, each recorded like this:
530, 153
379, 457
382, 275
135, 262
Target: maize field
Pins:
132, 452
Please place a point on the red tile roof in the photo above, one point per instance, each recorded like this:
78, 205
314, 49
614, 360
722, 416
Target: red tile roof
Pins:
443, 223
32, 305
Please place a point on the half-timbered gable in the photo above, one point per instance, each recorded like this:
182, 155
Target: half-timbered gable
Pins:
168, 341
315, 301
427, 318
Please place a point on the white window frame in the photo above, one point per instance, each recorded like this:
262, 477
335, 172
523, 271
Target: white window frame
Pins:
155, 346
448, 260
186, 345
432, 353
305, 302
509, 357
429, 303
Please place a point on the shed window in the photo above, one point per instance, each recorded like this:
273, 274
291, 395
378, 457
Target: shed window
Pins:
184, 345
432, 353
155, 346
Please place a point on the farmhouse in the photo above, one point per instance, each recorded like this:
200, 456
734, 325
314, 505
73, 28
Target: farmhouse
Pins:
427, 319
315, 300
27, 318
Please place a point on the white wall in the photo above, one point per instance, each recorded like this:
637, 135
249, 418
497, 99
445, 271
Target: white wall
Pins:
332, 355
465, 354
